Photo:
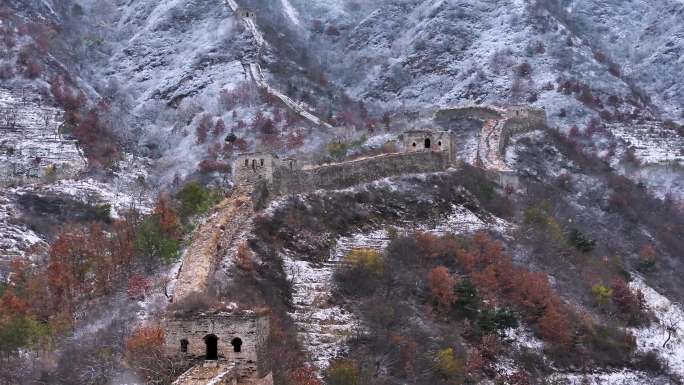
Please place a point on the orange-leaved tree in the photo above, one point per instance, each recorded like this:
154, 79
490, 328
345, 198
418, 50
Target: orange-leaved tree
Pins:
441, 285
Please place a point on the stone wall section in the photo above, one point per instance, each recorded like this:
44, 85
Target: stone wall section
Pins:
496, 133
215, 237
346, 174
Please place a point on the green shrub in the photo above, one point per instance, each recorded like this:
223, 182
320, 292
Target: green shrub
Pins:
153, 244
338, 150
20, 332
580, 242
363, 272
77, 10
51, 172
494, 321
103, 212
540, 218
467, 299
369, 260
195, 199
447, 364
602, 294
342, 372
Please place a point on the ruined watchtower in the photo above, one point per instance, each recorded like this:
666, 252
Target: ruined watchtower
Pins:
237, 337
428, 140
253, 167
245, 13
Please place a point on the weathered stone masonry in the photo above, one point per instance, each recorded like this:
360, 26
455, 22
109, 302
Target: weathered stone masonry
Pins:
238, 337
424, 152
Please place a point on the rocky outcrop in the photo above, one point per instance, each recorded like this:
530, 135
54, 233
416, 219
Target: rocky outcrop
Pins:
31, 146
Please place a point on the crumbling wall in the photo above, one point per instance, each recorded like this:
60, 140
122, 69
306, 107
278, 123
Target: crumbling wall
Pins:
521, 119
251, 168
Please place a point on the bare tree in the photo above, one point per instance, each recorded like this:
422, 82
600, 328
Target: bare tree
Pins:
672, 322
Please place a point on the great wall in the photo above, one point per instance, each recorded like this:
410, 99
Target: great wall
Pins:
217, 238
251, 64
421, 151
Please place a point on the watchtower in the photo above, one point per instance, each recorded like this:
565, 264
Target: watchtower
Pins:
246, 13
428, 140
253, 167
237, 337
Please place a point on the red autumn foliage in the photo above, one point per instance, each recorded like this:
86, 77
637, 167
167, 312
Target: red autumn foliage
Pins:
138, 287
65, 95
430, 245
168, 218
144, 340
32, 69
295, 139
12, 305
203, 129
219, 128
518, 378
441, 285
305, 375
208, 166
554, 326
95, 135
628, 303
647, 253
244, 258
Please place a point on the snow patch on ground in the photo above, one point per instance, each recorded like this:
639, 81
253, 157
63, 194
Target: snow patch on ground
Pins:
669, 316
15, 238
324, 328
463, 221
623, 377
291, 13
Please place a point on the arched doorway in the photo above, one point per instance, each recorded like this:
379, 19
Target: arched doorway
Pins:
427, 142
237, 344
212, 347
184, 345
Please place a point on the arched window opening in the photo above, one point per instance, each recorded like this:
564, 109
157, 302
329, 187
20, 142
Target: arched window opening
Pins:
184, 345
237, 344
414, 144
246, 162
262, 162
427, 142
212, 347
439, 143
290, 165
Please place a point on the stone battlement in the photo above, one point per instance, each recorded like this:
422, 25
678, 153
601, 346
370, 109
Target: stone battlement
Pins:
423, 151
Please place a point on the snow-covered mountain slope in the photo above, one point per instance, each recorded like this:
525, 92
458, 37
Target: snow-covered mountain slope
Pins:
445, 51
32, 146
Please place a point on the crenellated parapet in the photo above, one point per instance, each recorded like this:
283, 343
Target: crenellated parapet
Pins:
423, 151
